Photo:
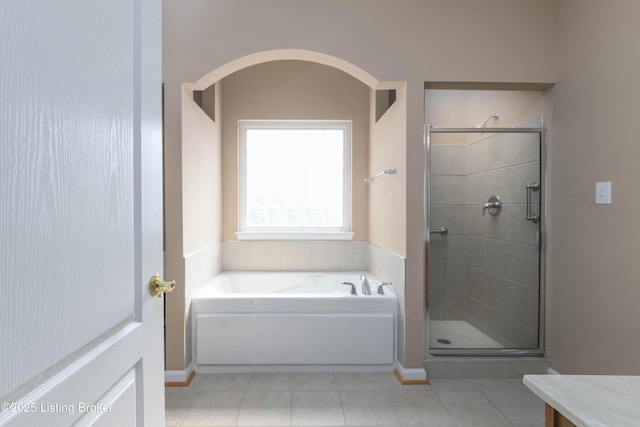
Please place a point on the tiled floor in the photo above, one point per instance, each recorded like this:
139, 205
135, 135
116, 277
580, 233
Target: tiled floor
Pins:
345, 399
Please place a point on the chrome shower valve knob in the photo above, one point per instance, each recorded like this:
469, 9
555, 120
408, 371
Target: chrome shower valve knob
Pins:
494, 205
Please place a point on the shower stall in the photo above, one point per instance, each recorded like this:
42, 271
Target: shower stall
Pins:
484, 229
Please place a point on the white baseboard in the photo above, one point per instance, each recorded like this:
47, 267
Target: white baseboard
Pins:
178, 376
551, 371
411, 374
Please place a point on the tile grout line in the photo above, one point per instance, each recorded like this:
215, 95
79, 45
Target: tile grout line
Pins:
387, 394
446, 408
184, 413
496, 406
244, 395
344, 414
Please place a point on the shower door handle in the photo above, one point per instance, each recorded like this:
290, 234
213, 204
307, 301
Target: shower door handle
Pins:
535, 218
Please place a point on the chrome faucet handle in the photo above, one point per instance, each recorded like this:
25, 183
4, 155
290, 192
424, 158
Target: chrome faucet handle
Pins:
494, 204
486, 206
353, 287
366, 289
381, 289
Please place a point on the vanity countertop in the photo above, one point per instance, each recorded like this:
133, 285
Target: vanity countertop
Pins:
591, 400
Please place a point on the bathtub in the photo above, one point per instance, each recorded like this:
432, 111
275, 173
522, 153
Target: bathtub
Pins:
292, 320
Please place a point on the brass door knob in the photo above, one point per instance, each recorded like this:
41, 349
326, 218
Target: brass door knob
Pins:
159, 287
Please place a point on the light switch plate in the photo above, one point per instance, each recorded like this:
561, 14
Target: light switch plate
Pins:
603, 193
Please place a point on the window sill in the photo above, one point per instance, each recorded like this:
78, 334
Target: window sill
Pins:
295, 235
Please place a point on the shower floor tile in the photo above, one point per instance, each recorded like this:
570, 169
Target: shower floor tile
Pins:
460, 334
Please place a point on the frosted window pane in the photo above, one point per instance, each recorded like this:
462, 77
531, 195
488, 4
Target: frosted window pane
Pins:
294, 178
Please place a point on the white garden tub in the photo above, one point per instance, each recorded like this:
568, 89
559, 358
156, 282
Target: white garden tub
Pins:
306, 319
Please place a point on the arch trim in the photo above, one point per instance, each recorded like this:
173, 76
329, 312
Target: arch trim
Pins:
283, 54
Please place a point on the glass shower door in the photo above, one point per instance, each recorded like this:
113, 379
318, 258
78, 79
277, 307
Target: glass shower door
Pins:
485, 224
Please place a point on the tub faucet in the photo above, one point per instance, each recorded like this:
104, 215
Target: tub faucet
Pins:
366, 289
381, 289
353, 287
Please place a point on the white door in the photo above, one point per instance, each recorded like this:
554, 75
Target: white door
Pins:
81, 338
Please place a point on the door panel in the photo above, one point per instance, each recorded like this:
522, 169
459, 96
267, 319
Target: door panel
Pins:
80, 151
116, 408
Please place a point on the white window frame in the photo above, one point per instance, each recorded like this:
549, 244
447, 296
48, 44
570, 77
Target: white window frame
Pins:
290, 233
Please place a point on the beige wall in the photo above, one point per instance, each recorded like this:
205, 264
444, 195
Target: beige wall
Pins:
387, 196
593, 268
201, 175
295, 90
410, 41
201, 217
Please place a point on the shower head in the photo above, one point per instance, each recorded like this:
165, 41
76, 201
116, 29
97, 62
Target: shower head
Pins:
483, 124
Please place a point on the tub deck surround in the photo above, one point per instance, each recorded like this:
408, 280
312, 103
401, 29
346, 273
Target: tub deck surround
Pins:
297, 320
292, 292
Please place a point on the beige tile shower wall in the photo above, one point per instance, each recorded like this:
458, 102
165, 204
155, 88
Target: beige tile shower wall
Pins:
485, 269
501, 251
447, 262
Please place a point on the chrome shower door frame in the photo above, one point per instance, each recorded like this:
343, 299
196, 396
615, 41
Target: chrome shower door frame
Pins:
538, 351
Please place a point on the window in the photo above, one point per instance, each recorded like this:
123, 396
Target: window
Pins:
295, 180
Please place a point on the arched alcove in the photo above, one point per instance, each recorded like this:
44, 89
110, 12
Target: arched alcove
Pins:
201, 190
